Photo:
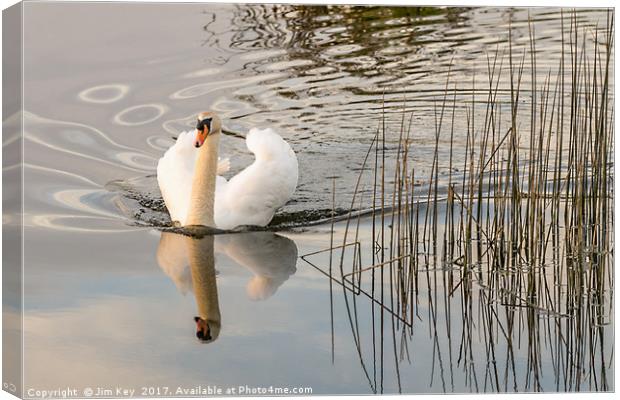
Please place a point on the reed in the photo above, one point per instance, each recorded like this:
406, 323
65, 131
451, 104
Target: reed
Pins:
515, 250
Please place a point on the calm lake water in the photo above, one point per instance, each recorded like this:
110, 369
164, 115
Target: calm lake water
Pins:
110, 301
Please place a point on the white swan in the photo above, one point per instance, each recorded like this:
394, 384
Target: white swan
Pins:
195, 195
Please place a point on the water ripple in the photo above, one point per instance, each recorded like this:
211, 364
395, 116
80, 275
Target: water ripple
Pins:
202, 89
324, 77
104, 94
85, 142
140, 114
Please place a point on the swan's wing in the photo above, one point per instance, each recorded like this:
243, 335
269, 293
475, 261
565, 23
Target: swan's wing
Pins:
223, 165
271, 258
253, 196
263, 253
175, 172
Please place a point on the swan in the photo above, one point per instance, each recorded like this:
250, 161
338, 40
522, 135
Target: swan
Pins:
195, 194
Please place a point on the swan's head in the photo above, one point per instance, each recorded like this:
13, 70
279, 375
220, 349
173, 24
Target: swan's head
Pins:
207, 331
208, 124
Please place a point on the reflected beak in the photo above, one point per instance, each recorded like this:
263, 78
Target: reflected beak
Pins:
203, 332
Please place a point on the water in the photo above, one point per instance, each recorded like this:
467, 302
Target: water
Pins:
107, 87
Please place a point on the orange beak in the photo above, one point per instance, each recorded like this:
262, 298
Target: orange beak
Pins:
201, 135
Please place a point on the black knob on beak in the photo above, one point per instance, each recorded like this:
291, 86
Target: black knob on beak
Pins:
205, 122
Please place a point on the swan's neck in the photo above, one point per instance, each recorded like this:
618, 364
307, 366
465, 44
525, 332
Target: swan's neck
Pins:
202, 198
202, 264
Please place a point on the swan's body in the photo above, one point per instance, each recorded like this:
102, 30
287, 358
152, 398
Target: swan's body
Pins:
190, 186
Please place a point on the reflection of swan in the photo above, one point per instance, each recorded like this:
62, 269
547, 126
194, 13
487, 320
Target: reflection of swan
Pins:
202, 264
270, 257
190, 186
172, 259
174, 254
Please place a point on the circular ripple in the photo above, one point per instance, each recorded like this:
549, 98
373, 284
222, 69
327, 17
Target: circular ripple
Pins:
140, 114
203, 72
160, 142
137, 160
104, 94
193, 91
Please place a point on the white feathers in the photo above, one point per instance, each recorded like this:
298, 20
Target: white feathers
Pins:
250, 197
175, 172
223, 165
